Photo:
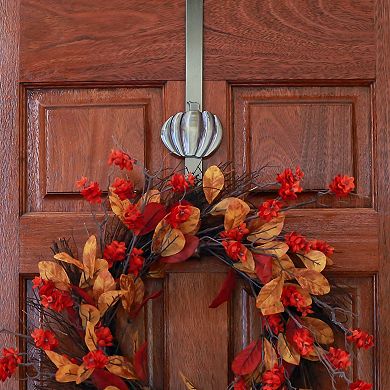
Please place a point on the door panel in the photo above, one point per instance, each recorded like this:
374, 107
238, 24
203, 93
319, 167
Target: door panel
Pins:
293, 82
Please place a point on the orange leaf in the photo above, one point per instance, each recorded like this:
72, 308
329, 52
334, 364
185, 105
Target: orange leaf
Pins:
90, 337
191, 226
287, 351
83, 374
120, 366
67, 373
63, 256
57, 359
166, 240
264, 232
49, 270
189, 249
268, 300
236, 212
89, 313
104, 282
312, 281
248, 359
213, 182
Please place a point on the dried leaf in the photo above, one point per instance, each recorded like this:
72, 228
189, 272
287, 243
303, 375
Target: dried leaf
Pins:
236, 213
312, 281
272, 248
90, 337
120, 366
63, 256
287, 351
248, 359
189, 249
57, 359
118, 206
226, 290
107, 300
83, 374
166, 240
89, 313
270, 355
268, 300
89, 256
221, 207
191, 226
67, 373
49, 270
315, 260
321, 331
151, 196
187, 383
104, 282
111, 388
140, 360
213, 182
263, 232
282, 265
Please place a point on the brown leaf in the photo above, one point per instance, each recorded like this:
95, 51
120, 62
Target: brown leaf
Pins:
89, 313
312, 281
83, 374
213, 182
321, 331
166, 240
118, 206
89, 256
57, 359
67, 373
151, 196
187, 383
315, 260
90, 337
49, 270
63, 256
107, 300
272, 248
120, 366
236, 212
221, 207
104, 282
191, 226
189, 249
287, 351
264, 232
268, 300
270, 355
111, 388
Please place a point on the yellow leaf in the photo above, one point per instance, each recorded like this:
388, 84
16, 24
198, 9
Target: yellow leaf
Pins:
315, 260
312, 281
236, 213
89, 313
67, 373
107, 300
55, 273
89, 256
187, 383
270, 355
221, 207
166, 240
213, 182
90, 337
272, 248
287, 351
191, 226
83, 374
118, 206
282, 265
57, 359
268, 300
120, 366
104, 282
63, 256
264, 232
321, 331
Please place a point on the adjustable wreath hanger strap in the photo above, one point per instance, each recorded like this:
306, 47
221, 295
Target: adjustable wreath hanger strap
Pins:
193, 134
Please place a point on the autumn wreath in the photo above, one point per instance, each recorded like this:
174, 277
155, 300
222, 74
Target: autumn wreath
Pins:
172, 218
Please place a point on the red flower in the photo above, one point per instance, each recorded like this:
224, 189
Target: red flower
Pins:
342, 185
290, 183
53, 298
81, 182
239, 384
180, 183
361, 339
114, 252
275, 322
132, 218
121, 159
339, 358
297, 242
360, 385
236, 234
92, 193
322, 246
9, 363
178, 215
303, 341
235, 250
273, 379
95, 359
292, 297
104, 336
37, 282
270, 209
136, 261
44, 339
123, 188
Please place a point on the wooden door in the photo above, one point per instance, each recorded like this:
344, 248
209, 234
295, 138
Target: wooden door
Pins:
293, 82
